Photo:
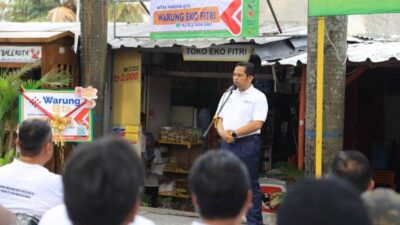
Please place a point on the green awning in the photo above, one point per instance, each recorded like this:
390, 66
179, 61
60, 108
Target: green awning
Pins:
351, 7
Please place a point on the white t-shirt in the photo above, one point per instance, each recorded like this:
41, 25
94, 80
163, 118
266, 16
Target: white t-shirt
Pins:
29, 188
58, 216
242, 108
198, 223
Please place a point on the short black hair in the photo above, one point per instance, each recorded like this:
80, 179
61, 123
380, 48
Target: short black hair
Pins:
102, 182
249, 68
354, 167
220, 182
33, 134
328, 201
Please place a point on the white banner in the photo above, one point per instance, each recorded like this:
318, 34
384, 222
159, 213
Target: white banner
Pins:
233, 53
191, 18
20, 54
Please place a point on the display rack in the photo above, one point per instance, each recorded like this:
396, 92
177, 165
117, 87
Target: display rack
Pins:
185, 153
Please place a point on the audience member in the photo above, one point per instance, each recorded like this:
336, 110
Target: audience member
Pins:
59, 216
102, 185
26, 187
7, 217
328, 201
221, 188
353, 167
383, 206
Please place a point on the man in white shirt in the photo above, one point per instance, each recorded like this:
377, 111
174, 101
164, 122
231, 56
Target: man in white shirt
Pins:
239, 124
220, 187
102, 184
59, 216
26, 187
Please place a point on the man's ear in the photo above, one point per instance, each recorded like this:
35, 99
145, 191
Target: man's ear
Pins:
371, 185
131, 215
194, 201
250, 77
49, 148
249, 200
248, 203
17, 143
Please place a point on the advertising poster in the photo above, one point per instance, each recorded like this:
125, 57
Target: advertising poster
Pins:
59, 105
127, 80
198, 19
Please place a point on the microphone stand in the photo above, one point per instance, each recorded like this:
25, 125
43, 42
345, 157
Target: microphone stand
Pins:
205, 135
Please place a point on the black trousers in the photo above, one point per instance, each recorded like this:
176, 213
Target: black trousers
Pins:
152, 192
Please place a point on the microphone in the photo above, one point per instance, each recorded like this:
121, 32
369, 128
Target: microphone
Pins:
231, 88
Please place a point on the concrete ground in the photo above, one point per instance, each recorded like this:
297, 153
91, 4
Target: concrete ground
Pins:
162, 216
168, 216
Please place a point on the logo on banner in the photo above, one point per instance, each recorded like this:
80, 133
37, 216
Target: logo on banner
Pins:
232, 17
83, 118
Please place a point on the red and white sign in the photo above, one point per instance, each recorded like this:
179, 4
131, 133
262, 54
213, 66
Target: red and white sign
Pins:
207, 18
47, 104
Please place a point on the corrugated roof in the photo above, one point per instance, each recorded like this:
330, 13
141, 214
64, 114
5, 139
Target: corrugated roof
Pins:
378, 50
36, 27
34, 32
125, 34
138, 35
374, 51
32, 37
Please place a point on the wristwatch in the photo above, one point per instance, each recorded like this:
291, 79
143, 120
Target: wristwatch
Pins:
234, 135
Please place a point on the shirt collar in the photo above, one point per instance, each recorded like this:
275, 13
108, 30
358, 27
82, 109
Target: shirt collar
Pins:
20, 163
248, 90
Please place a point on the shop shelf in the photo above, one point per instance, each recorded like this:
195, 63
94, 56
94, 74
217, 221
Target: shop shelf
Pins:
184, 143
174, 195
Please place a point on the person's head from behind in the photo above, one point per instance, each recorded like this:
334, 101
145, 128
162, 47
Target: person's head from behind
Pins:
220, 185
102, 183
328, 201
35, 139
243, 75
353, 167
383, 206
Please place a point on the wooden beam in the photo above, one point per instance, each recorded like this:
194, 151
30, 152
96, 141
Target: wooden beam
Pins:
355, 74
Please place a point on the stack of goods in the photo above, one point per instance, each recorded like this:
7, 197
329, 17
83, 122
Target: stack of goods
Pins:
180, 134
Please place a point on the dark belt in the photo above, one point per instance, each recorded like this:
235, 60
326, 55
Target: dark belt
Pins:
244, 139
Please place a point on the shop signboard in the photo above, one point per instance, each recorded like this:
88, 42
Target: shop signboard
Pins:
234, 53
59, 105
126, 95
351, 7
198, 19
20, 54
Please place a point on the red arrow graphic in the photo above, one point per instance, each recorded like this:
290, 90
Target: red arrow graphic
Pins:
83, 117
228, 17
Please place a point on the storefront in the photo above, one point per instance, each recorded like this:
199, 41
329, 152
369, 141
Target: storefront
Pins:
53, 48
371, 123
179, 96
186, 65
